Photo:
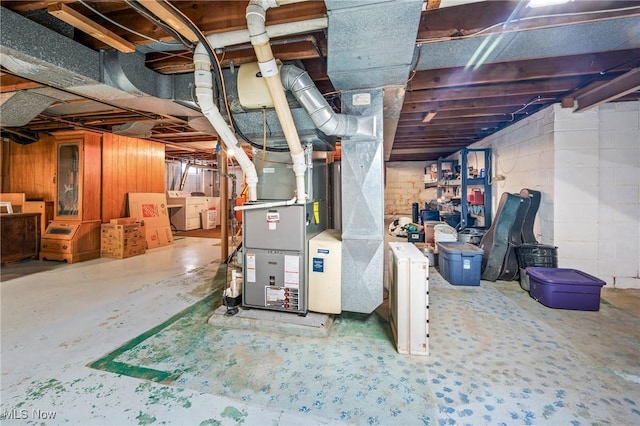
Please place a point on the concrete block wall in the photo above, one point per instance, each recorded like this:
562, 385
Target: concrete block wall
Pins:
587, 166
576, 139
523, 154
404, 185
618, 248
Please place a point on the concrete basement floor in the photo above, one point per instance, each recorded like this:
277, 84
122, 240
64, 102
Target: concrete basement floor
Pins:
120, 342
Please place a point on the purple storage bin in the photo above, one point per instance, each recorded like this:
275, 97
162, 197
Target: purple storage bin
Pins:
563, 288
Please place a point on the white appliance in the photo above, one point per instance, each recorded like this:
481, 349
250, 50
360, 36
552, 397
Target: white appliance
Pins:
325, 272
185, 209
409, 298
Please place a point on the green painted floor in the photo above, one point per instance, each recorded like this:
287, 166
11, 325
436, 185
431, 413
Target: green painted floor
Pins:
129, 342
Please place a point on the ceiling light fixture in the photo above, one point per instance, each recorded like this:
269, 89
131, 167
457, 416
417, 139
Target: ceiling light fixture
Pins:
429, 116
542, 3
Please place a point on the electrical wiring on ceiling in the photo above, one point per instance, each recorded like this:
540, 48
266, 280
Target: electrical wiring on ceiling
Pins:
142, 11
420, 42
119, 25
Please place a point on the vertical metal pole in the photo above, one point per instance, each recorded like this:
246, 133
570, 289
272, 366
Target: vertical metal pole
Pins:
223, 169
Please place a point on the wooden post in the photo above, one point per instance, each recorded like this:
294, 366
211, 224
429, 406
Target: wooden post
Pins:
223, 169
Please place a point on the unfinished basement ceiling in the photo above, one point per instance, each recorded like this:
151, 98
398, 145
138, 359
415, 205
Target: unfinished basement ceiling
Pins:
453, 72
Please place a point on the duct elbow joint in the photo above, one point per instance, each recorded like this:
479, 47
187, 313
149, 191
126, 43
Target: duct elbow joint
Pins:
366, 126
359, 126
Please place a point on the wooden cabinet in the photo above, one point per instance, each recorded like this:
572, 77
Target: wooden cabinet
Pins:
74, 233
45, 208
20, 235
186, 209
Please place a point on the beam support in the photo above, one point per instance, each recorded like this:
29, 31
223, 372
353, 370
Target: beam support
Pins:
75, 19
616, 88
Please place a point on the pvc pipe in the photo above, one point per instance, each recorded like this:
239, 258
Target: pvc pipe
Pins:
204, 94
232, 38
265, 205
256, 16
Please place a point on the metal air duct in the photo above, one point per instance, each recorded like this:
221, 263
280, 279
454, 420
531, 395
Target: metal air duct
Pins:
19, 108
298, 82
37, 53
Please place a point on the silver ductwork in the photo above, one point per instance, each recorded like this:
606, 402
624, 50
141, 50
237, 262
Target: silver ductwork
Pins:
135, 129
32, 51
369, 53
19, 108
368, 49
298, 82
371, 44
252, 122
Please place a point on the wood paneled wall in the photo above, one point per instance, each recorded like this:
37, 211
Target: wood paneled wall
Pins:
32, 169
129, 165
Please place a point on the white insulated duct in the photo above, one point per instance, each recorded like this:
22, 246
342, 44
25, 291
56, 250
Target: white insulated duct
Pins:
204, 94
256, 17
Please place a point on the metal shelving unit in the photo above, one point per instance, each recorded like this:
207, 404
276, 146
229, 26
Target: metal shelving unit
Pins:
463, 181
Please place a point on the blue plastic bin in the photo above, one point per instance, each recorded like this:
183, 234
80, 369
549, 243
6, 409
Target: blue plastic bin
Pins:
460, 263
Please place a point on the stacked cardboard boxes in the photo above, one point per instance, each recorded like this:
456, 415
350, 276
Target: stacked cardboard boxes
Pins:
122, 238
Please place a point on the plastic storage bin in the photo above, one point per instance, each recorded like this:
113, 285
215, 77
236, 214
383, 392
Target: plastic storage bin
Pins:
535, 255
429, 215
415, 236
460, 263
564, 288
409, 299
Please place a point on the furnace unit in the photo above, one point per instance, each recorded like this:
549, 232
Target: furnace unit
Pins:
275, 248
276, 232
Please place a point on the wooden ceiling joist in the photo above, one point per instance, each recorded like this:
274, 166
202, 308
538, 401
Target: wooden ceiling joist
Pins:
614, 89
75, 19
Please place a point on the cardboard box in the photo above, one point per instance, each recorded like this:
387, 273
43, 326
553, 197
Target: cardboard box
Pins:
151, 208
429, 230
121, 240
124, 221
209, 218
